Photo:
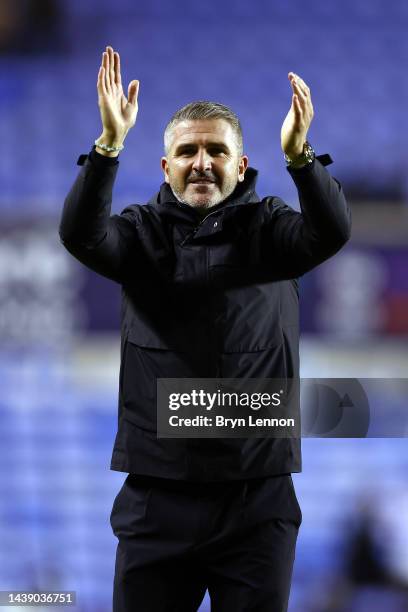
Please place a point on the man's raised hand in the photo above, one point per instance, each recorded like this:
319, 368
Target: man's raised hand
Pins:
297, 121
118, 113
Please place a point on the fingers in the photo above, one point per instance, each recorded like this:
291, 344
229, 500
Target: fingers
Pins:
110, 81
111, 67
298, 82
133, 91
302, 93
106, 71
299, 91
101, 82
296, 106
109, 73
118, 78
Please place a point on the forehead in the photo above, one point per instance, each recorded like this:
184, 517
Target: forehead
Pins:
203, 130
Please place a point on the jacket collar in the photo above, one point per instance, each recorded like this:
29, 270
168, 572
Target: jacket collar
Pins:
244, 193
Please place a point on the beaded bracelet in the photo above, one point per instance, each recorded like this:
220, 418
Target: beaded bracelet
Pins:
108, 148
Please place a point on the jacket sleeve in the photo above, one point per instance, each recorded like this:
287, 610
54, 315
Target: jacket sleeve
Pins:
297, 242
106, 244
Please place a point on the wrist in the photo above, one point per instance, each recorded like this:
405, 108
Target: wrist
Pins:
110, 140
293, 153
300, 159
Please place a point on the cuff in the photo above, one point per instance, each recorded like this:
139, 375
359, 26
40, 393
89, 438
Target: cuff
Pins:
98, 160
324, 159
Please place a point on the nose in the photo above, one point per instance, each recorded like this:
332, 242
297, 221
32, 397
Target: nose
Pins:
202, 161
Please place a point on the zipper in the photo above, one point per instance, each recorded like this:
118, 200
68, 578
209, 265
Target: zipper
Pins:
214, 211
197, 227
211, 328
214, 365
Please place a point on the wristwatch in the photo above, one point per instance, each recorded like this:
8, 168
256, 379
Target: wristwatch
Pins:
306, 157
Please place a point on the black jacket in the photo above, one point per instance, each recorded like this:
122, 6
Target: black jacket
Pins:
203, 299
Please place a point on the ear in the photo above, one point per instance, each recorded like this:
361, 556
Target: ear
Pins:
165, 168
243, 165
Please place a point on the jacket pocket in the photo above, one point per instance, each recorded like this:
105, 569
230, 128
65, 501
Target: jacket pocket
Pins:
250, 318
261, 363
146, 358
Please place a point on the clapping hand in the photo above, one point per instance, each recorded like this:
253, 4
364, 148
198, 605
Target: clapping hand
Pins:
118, 113
297, 121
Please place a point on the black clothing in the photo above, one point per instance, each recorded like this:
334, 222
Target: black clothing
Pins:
203, 298
211, 298
176, 539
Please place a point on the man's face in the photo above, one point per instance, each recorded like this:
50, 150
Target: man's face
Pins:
203, 165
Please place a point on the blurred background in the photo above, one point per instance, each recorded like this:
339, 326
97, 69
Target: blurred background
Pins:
59, 323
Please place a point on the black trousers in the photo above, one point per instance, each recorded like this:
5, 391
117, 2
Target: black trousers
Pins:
176, 539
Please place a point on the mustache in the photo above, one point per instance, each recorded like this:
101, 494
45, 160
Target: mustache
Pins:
202, 177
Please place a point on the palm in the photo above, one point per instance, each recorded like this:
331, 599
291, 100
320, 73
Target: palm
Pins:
118, 112
297, 122
289, 131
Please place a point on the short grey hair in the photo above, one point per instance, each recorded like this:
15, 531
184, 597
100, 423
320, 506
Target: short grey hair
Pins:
203, 109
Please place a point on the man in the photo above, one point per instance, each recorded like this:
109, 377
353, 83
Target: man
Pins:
208, 274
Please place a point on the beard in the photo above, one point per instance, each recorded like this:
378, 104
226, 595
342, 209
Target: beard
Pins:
201, 200
203, 203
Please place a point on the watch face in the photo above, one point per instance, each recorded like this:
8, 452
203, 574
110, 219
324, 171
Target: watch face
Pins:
308, 152
307, 156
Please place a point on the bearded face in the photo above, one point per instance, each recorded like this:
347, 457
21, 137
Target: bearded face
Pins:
203, 165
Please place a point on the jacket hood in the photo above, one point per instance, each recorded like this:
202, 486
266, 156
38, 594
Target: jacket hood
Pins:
243, 193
